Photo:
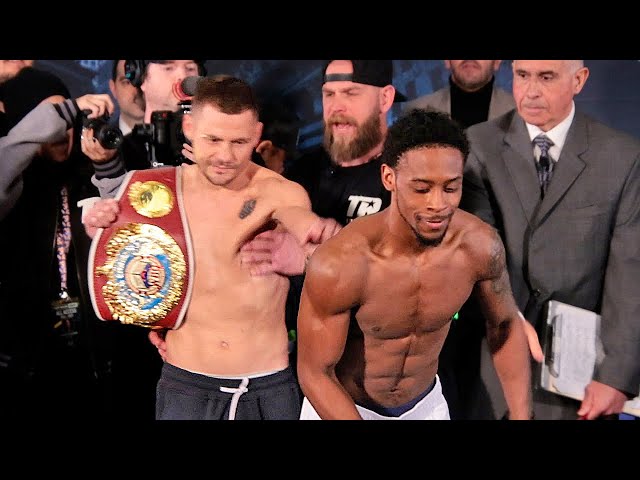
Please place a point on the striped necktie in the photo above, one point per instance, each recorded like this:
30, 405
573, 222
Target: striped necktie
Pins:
544, 164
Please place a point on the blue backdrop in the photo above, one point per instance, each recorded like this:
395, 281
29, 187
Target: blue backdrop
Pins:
611, 93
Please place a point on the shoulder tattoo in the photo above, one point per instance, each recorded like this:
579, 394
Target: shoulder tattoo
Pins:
247, 208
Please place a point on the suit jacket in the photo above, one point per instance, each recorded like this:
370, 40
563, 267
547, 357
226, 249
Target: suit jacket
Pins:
579, 245
501, 102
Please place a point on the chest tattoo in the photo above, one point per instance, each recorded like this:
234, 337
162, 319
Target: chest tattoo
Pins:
247, 208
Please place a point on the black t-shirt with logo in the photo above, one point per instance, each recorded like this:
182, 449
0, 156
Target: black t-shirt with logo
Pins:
342, 193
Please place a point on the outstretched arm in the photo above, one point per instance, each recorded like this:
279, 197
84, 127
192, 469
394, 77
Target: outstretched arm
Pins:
295, 215
323, 323
505, 330
285, 251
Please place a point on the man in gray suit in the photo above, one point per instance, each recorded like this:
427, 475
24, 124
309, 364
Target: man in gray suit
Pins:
471, 96
571, 231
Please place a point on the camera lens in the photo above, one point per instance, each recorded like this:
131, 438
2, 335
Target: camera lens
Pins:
109, 137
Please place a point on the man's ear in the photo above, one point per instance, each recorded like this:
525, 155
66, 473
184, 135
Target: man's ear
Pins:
580, 78
388, 94
263, 146
388, 175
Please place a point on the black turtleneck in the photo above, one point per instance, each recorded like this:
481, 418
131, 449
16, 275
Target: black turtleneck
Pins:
469, 108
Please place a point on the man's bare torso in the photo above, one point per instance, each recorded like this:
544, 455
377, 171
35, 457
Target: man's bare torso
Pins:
235, 322
406, 306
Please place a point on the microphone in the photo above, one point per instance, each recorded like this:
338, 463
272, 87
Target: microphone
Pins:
185, 89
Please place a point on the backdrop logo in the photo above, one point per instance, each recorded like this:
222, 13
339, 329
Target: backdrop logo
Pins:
93, 65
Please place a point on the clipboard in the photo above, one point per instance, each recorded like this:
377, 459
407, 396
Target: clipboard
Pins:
572, 348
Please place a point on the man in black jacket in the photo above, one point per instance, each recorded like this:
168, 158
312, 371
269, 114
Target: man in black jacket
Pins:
54, 353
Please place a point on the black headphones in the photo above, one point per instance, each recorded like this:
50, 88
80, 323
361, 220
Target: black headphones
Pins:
134, 70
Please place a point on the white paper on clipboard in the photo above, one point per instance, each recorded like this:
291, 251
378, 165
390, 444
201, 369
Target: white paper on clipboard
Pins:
572, 350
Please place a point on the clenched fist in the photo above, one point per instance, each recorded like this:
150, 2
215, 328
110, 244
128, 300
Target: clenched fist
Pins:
102, 214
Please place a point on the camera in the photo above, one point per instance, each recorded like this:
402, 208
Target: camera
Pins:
164, 136
109, 136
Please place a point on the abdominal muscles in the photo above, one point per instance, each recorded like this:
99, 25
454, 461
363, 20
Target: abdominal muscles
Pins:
234, 326
391, 367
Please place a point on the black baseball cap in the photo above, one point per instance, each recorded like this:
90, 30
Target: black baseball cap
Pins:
378, 73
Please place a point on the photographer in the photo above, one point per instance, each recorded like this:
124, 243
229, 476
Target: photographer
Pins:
54, 353
45, 123
156, 142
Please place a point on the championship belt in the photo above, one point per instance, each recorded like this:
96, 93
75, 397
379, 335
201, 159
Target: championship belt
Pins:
141, 267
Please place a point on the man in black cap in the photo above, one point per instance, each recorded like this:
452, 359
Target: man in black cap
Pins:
54, 356
343, 176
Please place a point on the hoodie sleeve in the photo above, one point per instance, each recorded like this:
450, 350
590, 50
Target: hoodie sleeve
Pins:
46, 123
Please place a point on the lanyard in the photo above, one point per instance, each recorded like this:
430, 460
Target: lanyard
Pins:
63, 240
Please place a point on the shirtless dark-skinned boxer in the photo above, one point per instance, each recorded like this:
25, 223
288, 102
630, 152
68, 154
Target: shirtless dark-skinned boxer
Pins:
378, 297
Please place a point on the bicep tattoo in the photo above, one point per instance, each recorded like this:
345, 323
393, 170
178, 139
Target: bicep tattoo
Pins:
498, 324
498, 267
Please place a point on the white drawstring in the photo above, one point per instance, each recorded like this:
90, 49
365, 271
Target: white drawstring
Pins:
237, 392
